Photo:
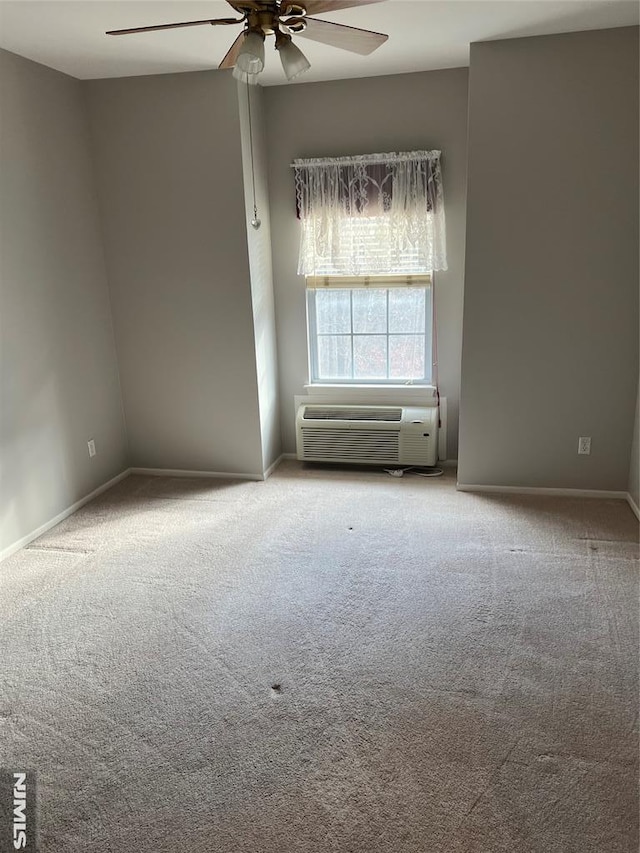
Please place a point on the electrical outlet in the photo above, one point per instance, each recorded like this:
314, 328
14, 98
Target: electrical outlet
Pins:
584, 445
92, 447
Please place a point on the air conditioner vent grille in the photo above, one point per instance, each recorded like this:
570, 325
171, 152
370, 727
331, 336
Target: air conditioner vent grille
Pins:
350, 445
357, 413
418, 448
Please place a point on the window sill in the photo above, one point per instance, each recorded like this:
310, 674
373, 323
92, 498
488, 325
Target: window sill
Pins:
381, 394
368, 387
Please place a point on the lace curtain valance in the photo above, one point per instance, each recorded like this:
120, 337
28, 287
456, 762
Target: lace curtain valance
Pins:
374, 214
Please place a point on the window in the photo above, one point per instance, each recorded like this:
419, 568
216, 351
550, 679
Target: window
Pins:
371, 227
370, 330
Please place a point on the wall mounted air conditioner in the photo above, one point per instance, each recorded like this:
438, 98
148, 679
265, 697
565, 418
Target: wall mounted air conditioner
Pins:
389, 435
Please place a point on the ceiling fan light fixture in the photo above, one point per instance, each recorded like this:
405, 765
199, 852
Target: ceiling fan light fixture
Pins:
294, 62
251, 58
243, 77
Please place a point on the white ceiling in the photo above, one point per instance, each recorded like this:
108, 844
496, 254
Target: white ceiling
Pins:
423, 34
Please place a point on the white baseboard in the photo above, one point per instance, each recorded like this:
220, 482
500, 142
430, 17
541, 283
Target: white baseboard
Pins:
535, 490
634, 506
273, 467
177, 472
21, 543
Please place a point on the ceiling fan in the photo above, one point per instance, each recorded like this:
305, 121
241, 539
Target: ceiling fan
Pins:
282, 19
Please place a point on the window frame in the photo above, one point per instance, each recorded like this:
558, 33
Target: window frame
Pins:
424, 281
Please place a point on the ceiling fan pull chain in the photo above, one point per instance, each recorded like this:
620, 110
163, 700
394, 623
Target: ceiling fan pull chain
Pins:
255, 222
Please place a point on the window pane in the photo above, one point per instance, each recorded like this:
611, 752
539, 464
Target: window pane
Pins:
407, 309
406, 356
370, 311
333, 312
370, 357
334, 357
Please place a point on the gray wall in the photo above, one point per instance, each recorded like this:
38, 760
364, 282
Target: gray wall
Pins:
551, 289
260, 265
634, 466
168, 160
399, 113
58, 372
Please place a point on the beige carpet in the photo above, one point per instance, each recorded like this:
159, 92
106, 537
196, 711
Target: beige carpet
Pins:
329, 661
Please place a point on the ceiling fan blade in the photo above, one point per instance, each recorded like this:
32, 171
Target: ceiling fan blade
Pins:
339, 35
213, 22
232, 54
317, 7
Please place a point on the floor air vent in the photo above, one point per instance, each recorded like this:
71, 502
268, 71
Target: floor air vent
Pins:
390, 435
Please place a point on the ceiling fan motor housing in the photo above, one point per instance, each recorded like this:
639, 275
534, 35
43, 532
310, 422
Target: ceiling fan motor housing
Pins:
267, 19
264, 22
292, 9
